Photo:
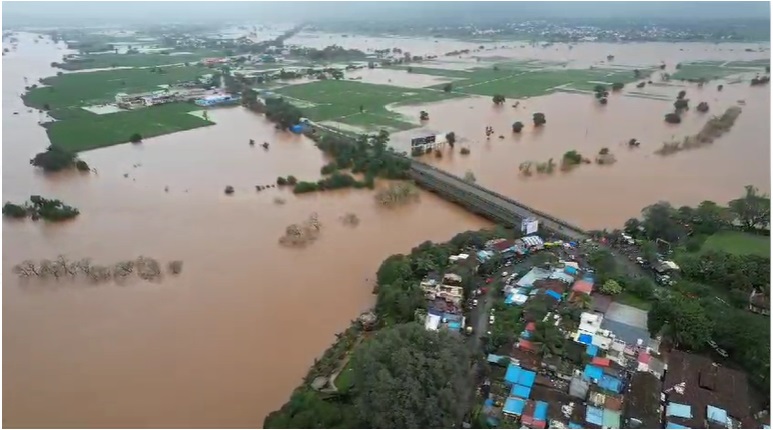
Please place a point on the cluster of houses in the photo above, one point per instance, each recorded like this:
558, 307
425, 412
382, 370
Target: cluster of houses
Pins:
610, 373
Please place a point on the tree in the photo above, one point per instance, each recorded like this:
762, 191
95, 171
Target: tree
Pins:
82, 166
710, 217
660, 221
632, 226
753, 209
539, 119
681, 104
498, 99
603, 100
135, 138
451, 138
291, 180
600, 89
14, 211
409, 377
281, 181
306, 409
681, 94
423, 116
617, 86
649, 251
469, 176
517, 127
611, 287
448, 87
548, 338
682, 320
642, 288
702, 107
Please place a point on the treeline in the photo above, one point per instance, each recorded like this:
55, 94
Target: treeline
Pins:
403, 376
39, 207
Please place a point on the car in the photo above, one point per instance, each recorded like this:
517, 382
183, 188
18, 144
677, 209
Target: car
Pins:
491, 319
504, 274
475, 303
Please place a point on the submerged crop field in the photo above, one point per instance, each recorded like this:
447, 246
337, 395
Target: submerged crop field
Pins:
65, 97
708, 70
340, 101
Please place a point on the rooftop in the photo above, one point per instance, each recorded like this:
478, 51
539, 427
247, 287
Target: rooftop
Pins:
642, 402
704, 384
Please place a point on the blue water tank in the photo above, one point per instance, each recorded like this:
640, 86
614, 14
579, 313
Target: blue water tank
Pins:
297, 129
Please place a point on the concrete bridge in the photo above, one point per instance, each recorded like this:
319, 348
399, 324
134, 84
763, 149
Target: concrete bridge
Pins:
489, 204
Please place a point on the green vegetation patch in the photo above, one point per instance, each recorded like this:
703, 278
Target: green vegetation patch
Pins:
75, 90
630, 299
149, 59
92, 131
711, 70
341, 101
738, 243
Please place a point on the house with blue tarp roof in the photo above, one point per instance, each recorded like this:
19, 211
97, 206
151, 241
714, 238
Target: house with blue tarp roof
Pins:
592, 350
610, 383
675, 426
495, 359
594, 415
569, 270
574, 425
541, 411
585, 339
514, 406
592, 372
512, 374
520, 391
716, 415
678, 410
553, 294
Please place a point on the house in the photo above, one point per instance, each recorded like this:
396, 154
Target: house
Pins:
759, 303
700, 393
436, 290
642, 407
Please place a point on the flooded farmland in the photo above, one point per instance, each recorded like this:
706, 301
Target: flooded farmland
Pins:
226, 341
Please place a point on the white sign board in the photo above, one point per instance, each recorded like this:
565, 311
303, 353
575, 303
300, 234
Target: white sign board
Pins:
529, 226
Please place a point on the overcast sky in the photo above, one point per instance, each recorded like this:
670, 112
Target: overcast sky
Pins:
90, 13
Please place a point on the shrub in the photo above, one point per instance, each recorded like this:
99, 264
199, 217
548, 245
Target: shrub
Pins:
695, 242
451, 138
673, 118
539, 119
54, 159
305, 187
329, 168
82, 166
135, 138
291, 180
14, 211
448, 87
572, 157
617, 86
464, 151
517, 127
281, 181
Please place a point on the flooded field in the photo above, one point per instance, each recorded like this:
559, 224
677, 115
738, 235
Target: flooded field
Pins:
226, 341
595, 196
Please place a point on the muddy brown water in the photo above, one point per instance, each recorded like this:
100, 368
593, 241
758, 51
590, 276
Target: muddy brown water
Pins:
225, 342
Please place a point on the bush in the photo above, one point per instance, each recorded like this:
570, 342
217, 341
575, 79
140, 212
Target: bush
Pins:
448, 87
305, 187
451, 138
681, 104
54, 159
517, 127
617, 86
695, 242
82, 166
135, 138
702, 107
572, 157
11, 210
640, 85
498, 99
673, 118
464, 151
539, 119
281, 181
329, 168
291, 180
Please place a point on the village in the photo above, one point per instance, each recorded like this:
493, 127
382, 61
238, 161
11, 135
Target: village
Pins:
560, 354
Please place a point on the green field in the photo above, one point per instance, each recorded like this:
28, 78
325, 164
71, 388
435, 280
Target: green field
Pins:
73, 90
98, 61
90, 131
523, 79
340, 101
739, 243
717, 70
78, 129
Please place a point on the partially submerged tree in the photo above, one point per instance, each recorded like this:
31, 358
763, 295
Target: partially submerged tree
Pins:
135, 138
451, 138
517, 127
702, 107
681, 104
673, 118
448, 87
469, 176
753, 209
54, 159
423, 116
617, 86
539, 119
498, 99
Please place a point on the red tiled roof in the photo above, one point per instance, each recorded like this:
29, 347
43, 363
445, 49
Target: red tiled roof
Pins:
531, 326
538, 424
600, 361
644, 357
526, 345
501, 246
583, 286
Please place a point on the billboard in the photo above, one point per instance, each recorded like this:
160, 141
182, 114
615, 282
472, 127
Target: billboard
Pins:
529, 225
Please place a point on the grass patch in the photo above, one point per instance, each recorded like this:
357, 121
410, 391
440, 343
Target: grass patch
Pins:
92, 131
344, 381
708, 71
739, 243
631, 300
98, 61
341, 100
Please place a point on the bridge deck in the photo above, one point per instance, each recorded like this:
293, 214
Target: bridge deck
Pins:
496, 206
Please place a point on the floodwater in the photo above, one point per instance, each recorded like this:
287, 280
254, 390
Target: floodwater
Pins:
225, 342
594, 196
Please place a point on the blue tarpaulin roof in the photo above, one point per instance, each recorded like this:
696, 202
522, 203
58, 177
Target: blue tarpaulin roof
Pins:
678, 410
520, 391
514, 406
570, 270
594, 415
455, 325
592, 350
585, 339
675, 426
574, 425
593, 372
610, 383
488, 402
716, 414
493, 358
513, 372
554, 295
526, 378
541, 411
525, 335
